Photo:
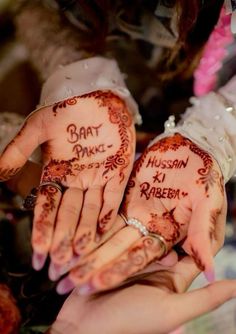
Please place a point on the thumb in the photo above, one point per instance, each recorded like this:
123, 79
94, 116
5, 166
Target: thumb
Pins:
20, 148
198, 241
198, 302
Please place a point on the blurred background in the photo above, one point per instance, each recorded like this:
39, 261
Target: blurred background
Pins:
32, 293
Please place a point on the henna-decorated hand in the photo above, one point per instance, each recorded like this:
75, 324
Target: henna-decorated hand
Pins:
176, 191
87, 147
157, 303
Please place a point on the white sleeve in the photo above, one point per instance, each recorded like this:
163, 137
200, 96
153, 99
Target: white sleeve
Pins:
85, 76
211, 123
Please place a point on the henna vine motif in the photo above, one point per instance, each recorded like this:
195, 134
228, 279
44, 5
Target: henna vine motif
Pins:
118, 114
83, 241
63, 104
197, 259
50, 204
104, 221
213, 219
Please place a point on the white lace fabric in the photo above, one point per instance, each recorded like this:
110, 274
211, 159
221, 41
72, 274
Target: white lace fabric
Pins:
86, 76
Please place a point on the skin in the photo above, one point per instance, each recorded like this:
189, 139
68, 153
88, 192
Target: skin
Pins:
147, 306
176, 191
87, 145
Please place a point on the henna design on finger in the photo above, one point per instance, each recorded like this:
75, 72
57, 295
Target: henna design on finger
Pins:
81, 271
135, 259
197, 259
102, 223
7, 173
61, 251
42, 224
81, 243
213, 220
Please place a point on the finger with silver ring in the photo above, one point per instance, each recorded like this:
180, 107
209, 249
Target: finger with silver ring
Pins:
30, 200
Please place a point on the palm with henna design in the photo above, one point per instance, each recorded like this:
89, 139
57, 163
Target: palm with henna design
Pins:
87, 145
176, 191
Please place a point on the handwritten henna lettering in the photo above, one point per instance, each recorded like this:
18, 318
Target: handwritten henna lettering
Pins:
159, 177
148, 191
76, 134
166, 164
88, 151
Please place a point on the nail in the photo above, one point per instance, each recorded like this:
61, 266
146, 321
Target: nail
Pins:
64, 286
85, 289
54, 271
38, 260
210, 275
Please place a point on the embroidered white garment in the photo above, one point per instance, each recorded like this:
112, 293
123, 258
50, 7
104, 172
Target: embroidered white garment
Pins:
211, 124
86, 76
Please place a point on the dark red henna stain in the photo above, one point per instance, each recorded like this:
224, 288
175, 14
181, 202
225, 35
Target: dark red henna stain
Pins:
104, 221
213, 220
63, 104
159, 177
137, 257
80, 272
82, 242
88, 151
60, 252
57, 170
197, 259
165, 225
76, 134
147, 191
42, 223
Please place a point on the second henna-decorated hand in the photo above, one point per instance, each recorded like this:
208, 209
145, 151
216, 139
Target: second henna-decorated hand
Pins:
176, 190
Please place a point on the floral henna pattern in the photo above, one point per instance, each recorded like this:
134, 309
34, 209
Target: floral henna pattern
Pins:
57, 170
63, 105
118, 114
165, 225
134, 260
43, 222
104, 221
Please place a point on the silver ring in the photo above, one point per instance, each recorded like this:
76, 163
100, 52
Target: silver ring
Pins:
144, 231
30, 200
52, 184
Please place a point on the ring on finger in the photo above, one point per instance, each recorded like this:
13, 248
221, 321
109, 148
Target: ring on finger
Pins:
144, 231
30, 200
